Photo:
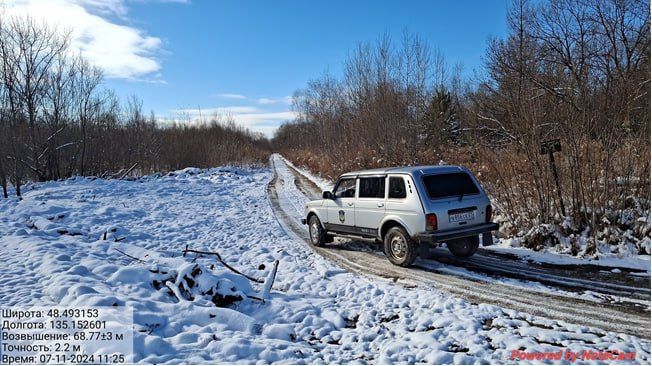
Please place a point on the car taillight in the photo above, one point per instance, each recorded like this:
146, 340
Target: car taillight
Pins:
488, 213
431, 222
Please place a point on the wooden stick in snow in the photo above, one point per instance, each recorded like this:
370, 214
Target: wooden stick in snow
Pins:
269, 281
128, 171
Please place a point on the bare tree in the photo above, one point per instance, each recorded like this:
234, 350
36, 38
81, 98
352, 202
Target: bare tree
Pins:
29, 50
86, 82
56, 120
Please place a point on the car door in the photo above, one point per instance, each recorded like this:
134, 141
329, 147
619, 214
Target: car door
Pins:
341, 209
370, 205
403, 202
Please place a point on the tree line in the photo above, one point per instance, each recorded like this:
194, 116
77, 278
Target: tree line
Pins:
57, 119
573, 70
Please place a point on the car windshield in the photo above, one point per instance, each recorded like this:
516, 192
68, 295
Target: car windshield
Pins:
450, 184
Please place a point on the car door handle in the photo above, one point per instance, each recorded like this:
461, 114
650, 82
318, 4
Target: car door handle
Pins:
350, 203
380, 204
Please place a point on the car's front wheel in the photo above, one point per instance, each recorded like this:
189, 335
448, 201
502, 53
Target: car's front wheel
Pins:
316, 231
399, 247
464, 247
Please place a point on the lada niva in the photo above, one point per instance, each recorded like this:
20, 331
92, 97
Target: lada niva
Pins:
408, 209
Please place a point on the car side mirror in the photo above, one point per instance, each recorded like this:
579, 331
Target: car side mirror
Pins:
327, 195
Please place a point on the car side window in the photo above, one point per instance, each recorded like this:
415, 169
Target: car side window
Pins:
373, 187
345, 188
397, 187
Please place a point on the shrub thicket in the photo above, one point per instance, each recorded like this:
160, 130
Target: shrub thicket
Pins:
573, 70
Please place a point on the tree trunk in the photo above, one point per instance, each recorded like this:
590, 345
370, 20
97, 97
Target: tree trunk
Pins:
3, 180
17, 178
83, 149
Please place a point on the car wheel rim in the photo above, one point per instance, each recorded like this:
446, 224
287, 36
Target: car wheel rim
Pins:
398, 247
314, 232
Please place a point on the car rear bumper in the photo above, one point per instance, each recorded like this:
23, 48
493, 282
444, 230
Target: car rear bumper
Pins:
434, 237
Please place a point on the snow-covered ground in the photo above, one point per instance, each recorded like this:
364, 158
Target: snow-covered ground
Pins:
62, 245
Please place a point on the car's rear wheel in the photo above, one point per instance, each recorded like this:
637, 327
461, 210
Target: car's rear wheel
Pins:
464, 247
316, 231
399, 247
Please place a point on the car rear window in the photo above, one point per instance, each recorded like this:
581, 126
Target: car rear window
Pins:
449, 184
396, 187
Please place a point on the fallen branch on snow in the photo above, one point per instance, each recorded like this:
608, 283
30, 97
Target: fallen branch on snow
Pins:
219, 258
195, 281
130, 256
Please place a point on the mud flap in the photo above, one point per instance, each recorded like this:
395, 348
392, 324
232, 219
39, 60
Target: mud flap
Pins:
424, 250
487, 239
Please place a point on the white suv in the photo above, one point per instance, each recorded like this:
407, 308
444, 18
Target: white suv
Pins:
408, 209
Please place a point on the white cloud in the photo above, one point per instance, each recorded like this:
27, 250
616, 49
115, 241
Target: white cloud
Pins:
248, 116
265, 122
207, 112
120, 50
259, 118
229, 96
267, 101
105, 7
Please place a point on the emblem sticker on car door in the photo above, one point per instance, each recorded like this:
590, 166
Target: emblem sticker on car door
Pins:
342, 217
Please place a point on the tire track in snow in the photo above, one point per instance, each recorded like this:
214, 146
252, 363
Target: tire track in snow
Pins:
502, 265
607, 316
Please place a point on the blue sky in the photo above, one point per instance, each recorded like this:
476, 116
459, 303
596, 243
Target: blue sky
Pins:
247, 57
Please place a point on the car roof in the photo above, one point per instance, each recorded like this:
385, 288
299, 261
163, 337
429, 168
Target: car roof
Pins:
411, 170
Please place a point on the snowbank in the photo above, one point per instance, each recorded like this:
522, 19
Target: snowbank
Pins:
324, 184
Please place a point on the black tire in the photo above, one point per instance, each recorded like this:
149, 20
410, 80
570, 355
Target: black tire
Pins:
399, 247
464, 247
317, 238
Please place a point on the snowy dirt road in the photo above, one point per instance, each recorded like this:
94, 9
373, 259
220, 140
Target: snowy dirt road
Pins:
585, 295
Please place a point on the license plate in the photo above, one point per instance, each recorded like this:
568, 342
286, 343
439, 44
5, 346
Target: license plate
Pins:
461, 216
